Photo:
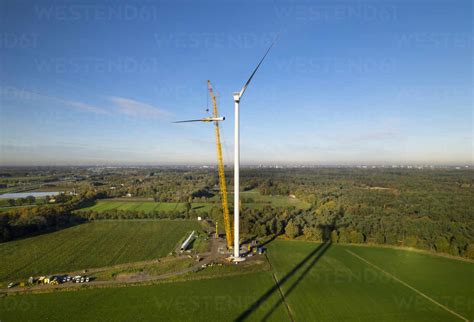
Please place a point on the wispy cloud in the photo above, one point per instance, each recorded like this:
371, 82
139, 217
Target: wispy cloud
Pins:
86, 107
16, 94
121, 105
137, 109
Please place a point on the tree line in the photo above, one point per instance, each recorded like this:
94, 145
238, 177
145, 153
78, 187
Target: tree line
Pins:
427, 209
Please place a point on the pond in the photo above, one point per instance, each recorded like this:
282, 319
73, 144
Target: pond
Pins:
36, 194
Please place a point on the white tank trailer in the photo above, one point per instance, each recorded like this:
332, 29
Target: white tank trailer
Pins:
187, 241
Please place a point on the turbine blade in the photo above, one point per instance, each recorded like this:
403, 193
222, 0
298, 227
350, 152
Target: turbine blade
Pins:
242, 91
187, 121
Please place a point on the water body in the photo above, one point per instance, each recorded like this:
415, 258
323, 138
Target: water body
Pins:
15, 195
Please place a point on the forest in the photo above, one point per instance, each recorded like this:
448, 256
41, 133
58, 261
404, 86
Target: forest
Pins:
428, 209
425, 209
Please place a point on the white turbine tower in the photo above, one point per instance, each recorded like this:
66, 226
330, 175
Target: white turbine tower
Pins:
237, 97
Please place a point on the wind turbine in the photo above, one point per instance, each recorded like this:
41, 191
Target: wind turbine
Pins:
237, 97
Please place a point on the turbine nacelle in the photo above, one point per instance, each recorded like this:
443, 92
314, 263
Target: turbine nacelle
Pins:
214, 119
236, 96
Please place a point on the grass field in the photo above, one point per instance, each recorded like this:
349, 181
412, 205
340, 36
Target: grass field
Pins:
199, 300
95, 244
146, 206
329, 282
260, 201
319, 282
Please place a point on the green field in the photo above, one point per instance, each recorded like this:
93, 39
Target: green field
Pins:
259, 201
95, 244
145, 206
328, 282
199, 300
319, 282
148, 206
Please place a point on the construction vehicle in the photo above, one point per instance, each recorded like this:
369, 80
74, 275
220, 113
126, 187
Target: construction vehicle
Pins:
220, 167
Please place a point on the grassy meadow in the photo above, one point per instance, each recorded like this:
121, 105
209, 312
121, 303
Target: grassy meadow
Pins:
330, 283
94, 244
258, 202
218, 299
316, 282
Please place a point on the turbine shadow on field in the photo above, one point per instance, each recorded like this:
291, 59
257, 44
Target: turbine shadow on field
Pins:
269, 241
312, 258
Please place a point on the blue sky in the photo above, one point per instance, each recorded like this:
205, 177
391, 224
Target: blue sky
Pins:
349, 82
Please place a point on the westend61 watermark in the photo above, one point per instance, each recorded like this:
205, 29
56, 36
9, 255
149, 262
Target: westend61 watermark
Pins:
10, 92
222, 303
214, 40
338, 12
419, 303
346, 276
337, 65
97, 65
435, 40
9, 40
92, 12
270, 94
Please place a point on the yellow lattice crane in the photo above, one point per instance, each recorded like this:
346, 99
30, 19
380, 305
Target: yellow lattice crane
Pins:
220, 167
220, 164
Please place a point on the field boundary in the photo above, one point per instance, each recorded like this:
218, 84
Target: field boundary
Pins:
407, 285
288, 310
412, 249
283, 298
373, 245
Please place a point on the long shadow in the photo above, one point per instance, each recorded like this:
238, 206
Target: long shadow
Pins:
28, 231
317, 253
248, 240
269, 241
298, 281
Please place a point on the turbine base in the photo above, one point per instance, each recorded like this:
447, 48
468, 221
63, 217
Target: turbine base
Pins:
238, 259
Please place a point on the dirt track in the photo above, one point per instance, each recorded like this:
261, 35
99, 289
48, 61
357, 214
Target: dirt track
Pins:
208, 257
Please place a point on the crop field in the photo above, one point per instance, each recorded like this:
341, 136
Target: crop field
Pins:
218, 299
326, 282
95, 244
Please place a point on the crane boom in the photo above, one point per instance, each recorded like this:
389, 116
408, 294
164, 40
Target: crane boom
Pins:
220, 166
